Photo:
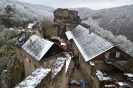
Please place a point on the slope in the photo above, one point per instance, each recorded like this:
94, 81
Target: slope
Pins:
26, 12
119, 20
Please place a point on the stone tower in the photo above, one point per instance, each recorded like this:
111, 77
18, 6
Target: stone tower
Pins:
64, 16
67, 19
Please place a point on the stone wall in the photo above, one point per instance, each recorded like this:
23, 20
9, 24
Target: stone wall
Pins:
86, 69
48, 62
75, 49
66, 16
58, 80
99, 64
19, 54
30, 64
53, 31
65, 13
85, 66
46, 82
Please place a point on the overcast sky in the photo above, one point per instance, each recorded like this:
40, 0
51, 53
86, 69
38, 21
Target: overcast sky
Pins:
92, 4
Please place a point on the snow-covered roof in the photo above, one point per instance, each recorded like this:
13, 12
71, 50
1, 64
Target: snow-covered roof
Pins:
92, 64
79, 30
37, 47
111, 85
63, 43
68, 60
89, 44
34, 79
11, 29
128, 74
30, 25
57, 66
69, 35
121, 84
60, 63
101, 76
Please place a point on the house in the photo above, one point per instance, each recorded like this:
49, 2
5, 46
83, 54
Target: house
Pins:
38, 52
37, 55
35, 28
95, 53
24, 36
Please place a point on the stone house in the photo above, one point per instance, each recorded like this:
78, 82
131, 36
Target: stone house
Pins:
95, 53
38, 53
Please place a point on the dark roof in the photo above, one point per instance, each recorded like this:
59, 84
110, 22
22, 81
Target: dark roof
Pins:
23, 36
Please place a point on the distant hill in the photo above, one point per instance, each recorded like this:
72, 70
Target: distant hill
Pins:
25, 12
119, 20
83, 12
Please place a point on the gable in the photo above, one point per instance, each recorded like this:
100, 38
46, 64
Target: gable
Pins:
55, 49
122, 56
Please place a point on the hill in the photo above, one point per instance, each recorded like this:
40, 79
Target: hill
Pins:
16, 11
118, 20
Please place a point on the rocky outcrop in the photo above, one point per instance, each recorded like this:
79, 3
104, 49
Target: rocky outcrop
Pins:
12, 74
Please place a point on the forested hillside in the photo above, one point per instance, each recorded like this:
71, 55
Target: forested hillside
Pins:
15, 13
118, 20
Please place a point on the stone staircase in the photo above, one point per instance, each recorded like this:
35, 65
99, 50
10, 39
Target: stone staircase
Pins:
115, 64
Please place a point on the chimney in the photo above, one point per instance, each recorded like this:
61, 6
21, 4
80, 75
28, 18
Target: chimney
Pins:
31, 42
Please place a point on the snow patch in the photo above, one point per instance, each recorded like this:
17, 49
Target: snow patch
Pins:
34, 79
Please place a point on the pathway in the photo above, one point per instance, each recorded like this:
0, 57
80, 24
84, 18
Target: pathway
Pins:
77, 75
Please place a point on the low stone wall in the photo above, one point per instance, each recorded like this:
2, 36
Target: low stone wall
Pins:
46, 82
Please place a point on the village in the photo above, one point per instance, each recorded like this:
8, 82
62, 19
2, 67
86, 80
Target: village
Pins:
69, 55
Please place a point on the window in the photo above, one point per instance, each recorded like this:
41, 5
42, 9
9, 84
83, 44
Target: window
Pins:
29, 61
35, 66
53, 84
117, 54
